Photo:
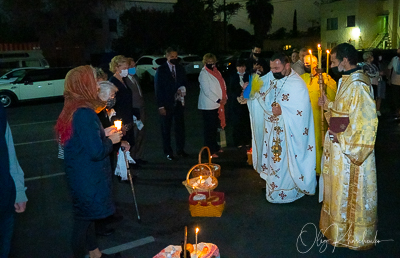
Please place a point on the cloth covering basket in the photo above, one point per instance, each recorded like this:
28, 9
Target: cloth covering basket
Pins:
200, 170
207, 209
190, 181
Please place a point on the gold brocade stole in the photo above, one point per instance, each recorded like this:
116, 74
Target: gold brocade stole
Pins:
356, 76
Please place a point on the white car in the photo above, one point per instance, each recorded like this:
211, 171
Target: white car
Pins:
192, 63
148, 64
37, 83
15, 73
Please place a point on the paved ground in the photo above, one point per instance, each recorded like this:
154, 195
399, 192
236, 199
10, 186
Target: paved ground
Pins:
249, 226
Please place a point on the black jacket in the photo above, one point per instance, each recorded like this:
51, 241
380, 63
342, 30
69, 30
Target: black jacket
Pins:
87, 166
165, 85
123, 104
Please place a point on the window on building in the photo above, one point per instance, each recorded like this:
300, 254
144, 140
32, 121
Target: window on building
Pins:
112, 23
332, 24
351, 21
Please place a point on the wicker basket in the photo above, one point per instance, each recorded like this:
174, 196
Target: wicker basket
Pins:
200, 171
207, 209
189, 182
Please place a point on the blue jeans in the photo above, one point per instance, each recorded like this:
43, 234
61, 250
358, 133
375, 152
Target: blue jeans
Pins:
6, 232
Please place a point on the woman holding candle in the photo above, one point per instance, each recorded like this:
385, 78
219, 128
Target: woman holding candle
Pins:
86, 150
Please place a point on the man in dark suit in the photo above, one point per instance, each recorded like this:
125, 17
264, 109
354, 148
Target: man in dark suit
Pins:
169, 77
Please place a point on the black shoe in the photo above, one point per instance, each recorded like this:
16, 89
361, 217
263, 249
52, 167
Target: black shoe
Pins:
183, 154
105, 232
141, 161
170, 157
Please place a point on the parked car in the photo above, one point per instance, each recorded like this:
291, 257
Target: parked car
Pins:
34, 84
148, 64
15, 73
21, 58
192, 63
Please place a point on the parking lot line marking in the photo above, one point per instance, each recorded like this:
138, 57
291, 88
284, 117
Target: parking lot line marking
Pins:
43, 122
43, 177
26, 143
127, 246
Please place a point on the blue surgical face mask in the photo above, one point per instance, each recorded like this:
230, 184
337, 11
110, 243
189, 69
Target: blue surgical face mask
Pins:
132, 71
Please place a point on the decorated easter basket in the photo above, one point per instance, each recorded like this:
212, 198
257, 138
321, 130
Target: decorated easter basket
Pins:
212, 206
200, 170
199, 183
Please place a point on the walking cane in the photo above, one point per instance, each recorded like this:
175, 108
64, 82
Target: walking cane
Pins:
130, 180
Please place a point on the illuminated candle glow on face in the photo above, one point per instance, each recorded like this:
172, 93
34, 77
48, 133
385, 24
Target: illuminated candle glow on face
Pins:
319, 56
327, 61
118, 124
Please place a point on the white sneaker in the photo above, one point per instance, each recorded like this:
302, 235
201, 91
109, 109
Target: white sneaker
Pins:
378, 113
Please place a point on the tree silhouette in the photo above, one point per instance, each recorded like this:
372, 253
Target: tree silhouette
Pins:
294, 31
260, 14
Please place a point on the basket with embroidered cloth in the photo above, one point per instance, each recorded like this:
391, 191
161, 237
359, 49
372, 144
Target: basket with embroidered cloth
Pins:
200, 170
203, 183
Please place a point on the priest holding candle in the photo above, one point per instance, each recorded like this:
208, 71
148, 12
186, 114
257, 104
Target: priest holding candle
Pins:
311, 79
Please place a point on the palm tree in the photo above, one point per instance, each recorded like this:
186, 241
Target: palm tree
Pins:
260, 15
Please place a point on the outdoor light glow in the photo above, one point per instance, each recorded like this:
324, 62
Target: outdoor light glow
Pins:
355, 33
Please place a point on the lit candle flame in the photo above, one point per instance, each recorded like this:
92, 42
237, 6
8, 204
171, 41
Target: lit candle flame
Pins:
118, 124
197, 230
309, 51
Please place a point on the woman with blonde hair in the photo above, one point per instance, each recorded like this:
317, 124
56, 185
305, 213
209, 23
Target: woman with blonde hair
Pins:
212, 100
123, 97
86, 151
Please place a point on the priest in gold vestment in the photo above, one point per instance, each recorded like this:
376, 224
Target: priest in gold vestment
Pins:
348, 181
310, 77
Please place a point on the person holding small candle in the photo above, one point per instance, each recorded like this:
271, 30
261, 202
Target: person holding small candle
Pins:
310, 77
86, 150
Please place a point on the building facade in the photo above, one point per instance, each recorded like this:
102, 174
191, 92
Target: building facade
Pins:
366, 24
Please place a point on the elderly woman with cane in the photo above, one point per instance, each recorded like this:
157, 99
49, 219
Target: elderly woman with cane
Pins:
86, 156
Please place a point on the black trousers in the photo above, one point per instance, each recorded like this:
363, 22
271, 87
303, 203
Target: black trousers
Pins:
210, 129
83, 237
174, 115
241, 125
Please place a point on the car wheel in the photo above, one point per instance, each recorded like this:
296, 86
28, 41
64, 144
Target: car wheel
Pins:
6, 99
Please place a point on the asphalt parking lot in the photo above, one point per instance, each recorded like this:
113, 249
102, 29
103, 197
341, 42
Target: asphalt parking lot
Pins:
249, 226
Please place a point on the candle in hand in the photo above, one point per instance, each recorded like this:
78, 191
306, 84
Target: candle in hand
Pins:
118, 124
319, 56
327, 61
311, 63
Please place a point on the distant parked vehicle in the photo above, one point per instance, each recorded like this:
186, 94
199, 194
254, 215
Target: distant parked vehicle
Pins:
149, 64
21, 58
15, 73
192, 63
34, 84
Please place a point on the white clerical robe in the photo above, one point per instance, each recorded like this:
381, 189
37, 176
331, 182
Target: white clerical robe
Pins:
290, 173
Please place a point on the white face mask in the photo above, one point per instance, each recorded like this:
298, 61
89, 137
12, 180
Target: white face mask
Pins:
124, 73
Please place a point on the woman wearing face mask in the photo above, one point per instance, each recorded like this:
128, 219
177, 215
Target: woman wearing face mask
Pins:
86, 150
123, 98
212, 100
